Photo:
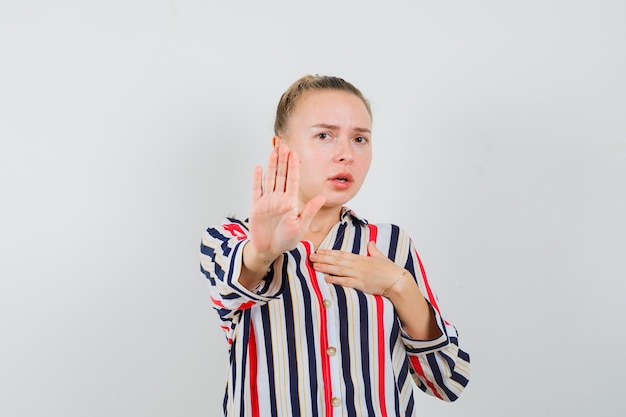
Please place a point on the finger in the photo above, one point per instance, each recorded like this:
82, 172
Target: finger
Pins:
270, 174
293, 174
257, 183
341, 263
343, 281
373, 250
281, 172
334, 257
332, 269
346, 257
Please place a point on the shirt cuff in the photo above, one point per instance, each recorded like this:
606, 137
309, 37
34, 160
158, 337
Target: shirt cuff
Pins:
266, 290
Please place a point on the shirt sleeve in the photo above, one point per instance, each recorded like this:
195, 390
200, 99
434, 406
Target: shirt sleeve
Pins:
221, 258
440, 367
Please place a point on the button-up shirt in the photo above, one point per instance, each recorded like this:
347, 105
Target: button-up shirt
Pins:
300, 346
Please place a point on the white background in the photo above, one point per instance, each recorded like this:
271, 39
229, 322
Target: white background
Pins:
127, 127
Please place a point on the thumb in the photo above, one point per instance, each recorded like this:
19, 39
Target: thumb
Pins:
373, 250
311, 208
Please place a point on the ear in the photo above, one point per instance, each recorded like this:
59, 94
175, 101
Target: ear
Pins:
276, 141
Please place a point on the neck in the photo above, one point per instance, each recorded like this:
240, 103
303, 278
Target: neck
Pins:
324, 220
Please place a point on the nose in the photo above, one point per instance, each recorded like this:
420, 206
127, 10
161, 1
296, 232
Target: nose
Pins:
344, 152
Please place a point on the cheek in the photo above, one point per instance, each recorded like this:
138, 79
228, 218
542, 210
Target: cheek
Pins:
309, 161
365, 162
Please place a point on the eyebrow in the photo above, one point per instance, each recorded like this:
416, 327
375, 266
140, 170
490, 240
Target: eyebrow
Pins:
334, 127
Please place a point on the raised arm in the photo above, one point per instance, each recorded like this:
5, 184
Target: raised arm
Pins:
277, 222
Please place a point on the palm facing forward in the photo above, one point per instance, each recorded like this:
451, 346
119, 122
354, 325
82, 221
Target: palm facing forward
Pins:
276, 222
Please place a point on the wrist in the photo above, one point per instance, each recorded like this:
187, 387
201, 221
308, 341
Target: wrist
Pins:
386, 291
255, 260
401, 287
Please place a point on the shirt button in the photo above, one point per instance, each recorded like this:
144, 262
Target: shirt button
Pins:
327, 303
331, 351
335, 402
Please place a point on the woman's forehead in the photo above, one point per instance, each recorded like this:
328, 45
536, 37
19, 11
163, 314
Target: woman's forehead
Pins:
332, 106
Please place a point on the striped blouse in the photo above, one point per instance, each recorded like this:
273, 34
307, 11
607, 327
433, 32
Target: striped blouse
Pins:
302, 347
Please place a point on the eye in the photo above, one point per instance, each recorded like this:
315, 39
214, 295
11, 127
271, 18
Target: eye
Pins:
323, 136
361, 139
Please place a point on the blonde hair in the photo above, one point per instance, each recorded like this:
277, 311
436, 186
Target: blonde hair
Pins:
289, 99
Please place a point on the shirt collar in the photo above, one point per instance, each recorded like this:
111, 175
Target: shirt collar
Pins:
347, 213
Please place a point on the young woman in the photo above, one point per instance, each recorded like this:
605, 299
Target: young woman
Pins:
325, 313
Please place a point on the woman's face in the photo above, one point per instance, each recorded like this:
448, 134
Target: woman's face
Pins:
331, 132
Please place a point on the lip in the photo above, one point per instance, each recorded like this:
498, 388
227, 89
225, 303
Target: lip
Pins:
346, 175
342, 180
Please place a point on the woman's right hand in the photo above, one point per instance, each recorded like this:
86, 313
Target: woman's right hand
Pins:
277, 222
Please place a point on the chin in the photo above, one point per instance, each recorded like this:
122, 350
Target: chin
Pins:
337, 202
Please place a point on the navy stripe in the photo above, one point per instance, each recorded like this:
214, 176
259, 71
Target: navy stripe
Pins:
462, 354
308, 328
225, 401
207, 275
393, 336
310, 335
404, 373
432, 362
344, 341
214, 233
356, 243
231, 296
269, 357
344, 329
244, 359
455, 375
358, 226
410, 405
365, 336
233, 357
225, 313
393, 244
205, 250
339, 238
459, 379
267, 279
290, 337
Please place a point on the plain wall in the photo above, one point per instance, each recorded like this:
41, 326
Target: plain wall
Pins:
128, 127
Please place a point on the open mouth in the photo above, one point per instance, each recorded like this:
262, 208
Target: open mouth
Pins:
343, 178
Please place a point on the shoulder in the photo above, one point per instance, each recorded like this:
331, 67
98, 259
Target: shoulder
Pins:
229, 228
380, 232
388, 231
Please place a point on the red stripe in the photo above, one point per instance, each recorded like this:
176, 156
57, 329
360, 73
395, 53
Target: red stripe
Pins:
414, 360
418, 368
235, 231
431, 297
380, 322
246, 305
328, 392
381, 354
217, 302
373, 234
242, 306
254, 394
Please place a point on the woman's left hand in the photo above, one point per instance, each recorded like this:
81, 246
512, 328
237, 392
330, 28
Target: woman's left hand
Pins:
376, 274
371, 274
